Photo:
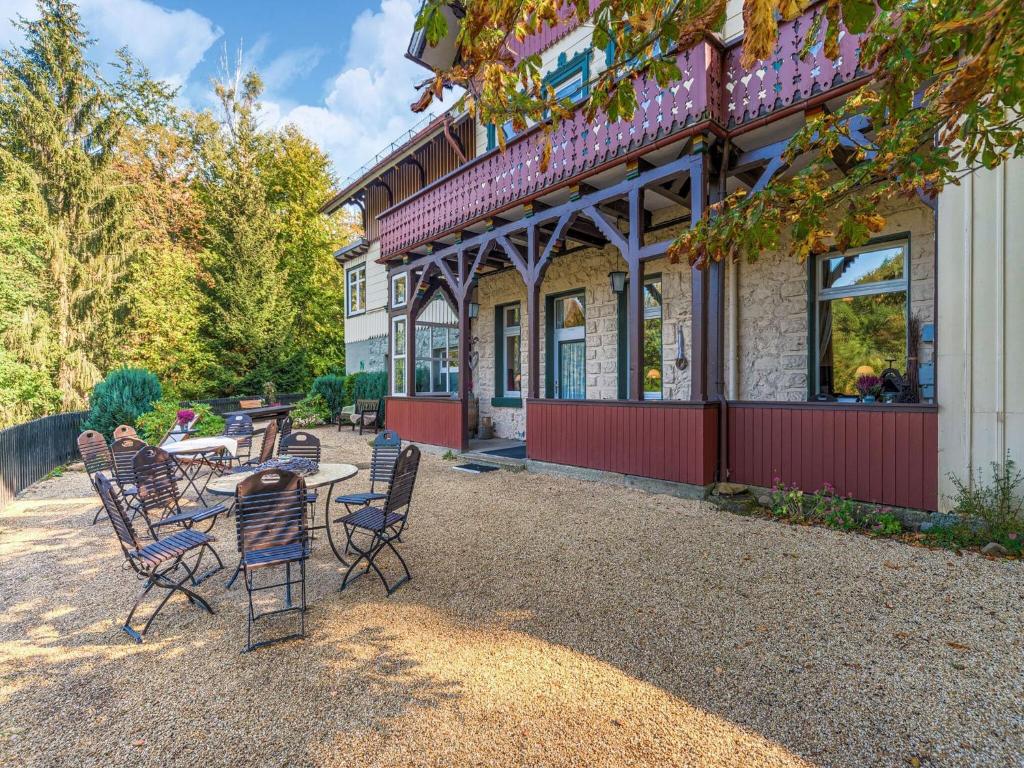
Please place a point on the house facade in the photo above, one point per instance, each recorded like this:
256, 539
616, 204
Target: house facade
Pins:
542, 302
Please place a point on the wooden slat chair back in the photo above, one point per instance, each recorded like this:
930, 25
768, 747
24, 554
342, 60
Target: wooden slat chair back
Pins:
367, 410
386, 448
245, 404
284, 428
272, 530
240, 428
159, 495
269, 442
123, 451
302, 445
96, 457
124, 431
161, 563
384, 524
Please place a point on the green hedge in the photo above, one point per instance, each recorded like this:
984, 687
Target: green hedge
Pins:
332, 388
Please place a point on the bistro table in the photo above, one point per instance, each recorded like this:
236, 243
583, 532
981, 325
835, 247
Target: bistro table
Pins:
186, 452
327, 475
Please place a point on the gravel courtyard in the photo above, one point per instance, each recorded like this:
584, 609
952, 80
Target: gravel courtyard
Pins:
549, 622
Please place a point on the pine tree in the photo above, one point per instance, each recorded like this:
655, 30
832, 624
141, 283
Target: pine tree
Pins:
57, 129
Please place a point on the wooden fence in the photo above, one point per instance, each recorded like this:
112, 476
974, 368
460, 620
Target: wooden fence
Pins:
30, 451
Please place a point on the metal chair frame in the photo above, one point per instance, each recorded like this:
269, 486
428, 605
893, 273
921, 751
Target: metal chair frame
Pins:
157, 564
159, 500
386, 448
272, 530
384, 524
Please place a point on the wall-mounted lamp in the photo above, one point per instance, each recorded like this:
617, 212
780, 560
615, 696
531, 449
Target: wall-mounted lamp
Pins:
618, 280
474, 310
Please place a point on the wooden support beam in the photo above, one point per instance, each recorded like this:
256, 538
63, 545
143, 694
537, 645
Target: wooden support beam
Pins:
698, 290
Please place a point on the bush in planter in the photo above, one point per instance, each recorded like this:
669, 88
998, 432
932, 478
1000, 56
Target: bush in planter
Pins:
311, 411
123, 396
332, 389
152, 426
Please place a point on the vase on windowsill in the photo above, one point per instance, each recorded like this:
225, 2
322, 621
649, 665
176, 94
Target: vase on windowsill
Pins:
868, 399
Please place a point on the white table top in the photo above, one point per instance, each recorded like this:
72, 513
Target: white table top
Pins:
325, 475
202, 445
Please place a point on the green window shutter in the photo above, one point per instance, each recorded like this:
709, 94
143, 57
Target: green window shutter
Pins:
499, 351
549, 343
492, 137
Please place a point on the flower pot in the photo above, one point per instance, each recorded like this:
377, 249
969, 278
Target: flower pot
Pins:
868, 399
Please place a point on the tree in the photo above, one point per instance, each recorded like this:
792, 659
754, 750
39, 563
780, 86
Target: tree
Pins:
945, 99
57, 131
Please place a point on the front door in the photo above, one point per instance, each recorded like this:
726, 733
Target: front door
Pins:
570, 348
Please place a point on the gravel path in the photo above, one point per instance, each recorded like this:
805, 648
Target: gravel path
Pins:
550, 622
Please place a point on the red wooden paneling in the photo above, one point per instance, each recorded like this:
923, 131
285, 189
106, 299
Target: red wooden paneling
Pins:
885, 454
429, 420
665, 441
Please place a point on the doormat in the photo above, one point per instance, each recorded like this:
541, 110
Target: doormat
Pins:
475, 469
515, 452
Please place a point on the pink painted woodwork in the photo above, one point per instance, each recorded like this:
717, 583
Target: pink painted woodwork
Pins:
878, 453
428, 420
675, 441
714, 90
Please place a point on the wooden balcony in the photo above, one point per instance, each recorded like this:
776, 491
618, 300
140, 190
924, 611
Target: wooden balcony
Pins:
715, 93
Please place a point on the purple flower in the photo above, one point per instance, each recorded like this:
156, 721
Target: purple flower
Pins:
185, 417
868, 384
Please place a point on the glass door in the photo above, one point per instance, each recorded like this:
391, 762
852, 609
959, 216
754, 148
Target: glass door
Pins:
570, 348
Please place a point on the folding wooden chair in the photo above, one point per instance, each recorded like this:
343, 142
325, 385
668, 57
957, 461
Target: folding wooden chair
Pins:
96, 457
123, 451
284, 426
160, 564
302, 445
156, 476
270, 517
384, 524
240, 428
124, 431
386, 447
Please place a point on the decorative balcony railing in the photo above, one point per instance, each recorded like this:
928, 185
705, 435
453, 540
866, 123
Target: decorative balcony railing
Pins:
714, 89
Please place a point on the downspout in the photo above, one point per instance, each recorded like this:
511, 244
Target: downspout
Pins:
730, 351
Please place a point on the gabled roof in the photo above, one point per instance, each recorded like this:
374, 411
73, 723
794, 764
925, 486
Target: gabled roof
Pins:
354, 249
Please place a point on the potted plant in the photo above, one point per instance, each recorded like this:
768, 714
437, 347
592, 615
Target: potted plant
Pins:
870, 387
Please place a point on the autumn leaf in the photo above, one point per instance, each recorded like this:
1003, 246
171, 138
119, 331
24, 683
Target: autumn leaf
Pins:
759, 31
545, 154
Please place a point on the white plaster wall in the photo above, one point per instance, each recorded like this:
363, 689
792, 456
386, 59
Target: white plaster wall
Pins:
733, 20
980, 345
373, 322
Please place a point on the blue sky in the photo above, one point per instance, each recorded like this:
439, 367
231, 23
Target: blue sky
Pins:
335, 68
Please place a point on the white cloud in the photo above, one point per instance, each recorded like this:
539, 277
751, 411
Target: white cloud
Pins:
171, 43
367, 102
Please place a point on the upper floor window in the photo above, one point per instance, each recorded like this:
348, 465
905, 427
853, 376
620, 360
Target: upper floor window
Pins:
570, 80
355, 290
860, 323
399, 287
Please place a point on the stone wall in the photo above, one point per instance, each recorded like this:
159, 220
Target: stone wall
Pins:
772, 321
366, 355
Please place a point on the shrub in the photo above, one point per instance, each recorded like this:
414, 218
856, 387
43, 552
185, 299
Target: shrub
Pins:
787, 501
123, 396
332, 389
311, 411
995, 511
153, 425
885, 524
369, 385
835, 511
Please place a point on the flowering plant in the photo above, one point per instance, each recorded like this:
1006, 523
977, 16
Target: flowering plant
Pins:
185, 417
869, 384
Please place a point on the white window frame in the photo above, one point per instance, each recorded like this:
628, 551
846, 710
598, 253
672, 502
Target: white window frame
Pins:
507, 333
395, 279
448, 364
355, 277
654, 313
578, 333
397, 354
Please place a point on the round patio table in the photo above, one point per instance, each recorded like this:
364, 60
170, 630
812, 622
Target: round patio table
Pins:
327, 475
201, 448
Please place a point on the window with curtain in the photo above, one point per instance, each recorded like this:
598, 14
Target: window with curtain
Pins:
399, 285
570, 347
437, 359
861, 315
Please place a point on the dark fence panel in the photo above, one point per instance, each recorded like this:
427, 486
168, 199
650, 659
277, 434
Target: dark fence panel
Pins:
30, 451
221, 405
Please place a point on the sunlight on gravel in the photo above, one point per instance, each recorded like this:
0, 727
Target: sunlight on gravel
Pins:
549, 622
